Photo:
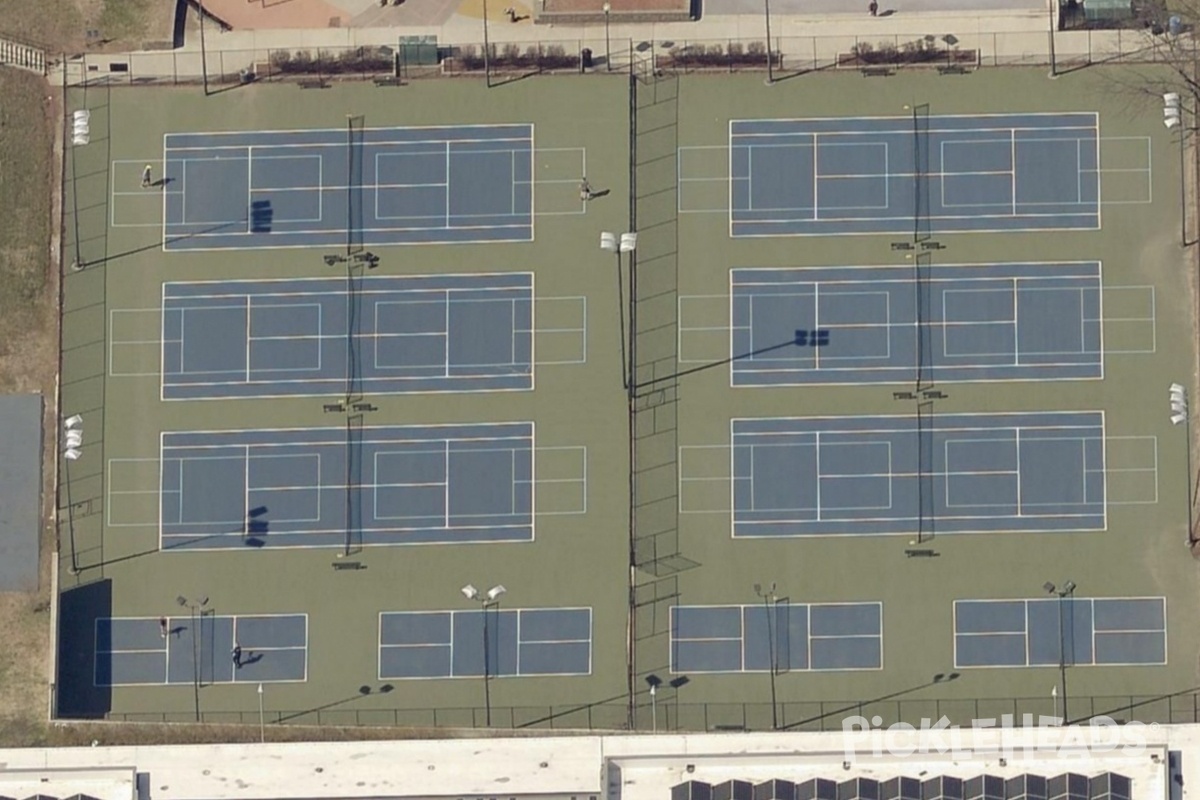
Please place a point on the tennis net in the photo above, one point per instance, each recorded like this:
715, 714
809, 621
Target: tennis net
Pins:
353, 510
926, 515
920, 123
355, 126
922, 287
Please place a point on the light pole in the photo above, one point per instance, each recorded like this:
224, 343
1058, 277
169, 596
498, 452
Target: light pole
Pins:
770, 55
653, 681
607, 48
768, 598
487, 56
73, 440
626, 243
1180, 413
203, 50
491, 599
1173, 118
262, 728
1053, 6
195, 606
1067, 590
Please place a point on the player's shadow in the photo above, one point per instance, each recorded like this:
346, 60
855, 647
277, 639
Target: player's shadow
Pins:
253, 658
601, 193
162, 183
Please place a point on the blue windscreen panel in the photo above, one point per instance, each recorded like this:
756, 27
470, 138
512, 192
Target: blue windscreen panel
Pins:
800, 637
1109, 631
450, 644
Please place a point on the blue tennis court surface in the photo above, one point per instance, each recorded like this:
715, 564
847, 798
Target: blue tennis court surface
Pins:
315, 487
1003, 172
132, 651
817, 636
957, 473
311, 188
521, 642
989, 322
293, 337
1112, 631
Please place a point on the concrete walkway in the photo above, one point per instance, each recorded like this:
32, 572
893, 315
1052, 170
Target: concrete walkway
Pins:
1016, 34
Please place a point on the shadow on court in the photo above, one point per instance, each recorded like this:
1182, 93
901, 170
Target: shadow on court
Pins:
78, 662
579, 709
161, 242
261, 216
253, 536
940, 678
363, 691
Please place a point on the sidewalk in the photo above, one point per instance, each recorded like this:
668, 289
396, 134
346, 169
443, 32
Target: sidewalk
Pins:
1017, 36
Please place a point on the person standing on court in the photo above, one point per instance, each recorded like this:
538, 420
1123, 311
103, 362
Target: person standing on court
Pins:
237, 656
873, 8
146, 173
585, 190
163, 627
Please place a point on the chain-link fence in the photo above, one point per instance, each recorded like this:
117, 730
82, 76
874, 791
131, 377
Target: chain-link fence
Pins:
669, 714
793, 54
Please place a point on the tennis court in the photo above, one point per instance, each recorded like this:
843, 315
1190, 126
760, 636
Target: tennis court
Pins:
521, 642
945, 323
132, 651
781, 635
1111, 631
914, 174
360, 399
330, 336
316, 487
956, 473
308, 188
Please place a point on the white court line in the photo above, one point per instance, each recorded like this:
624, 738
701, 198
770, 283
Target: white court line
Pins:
1148, 170
1153, 469
341, 133
111, 493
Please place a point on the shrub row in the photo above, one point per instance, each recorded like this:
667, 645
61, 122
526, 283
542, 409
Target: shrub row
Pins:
919, 51
510, 56
359, 60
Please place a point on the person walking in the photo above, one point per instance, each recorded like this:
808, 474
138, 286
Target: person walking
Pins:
237, 656
163, 627
585, 190
146, 173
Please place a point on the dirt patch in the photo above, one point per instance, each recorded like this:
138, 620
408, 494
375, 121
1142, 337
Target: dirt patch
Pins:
71, 26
